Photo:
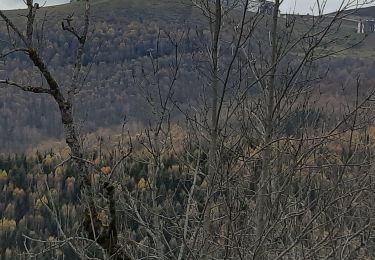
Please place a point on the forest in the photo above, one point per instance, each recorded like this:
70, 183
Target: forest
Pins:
120, 43
187, 129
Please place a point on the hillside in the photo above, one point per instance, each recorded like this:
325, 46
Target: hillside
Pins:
123, 33
185, 133
121, 37
365, 12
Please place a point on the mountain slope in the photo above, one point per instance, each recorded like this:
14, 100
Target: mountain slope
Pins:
123, 35
364, 12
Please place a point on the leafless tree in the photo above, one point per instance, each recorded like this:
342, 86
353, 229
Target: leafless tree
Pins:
26, 42
261, 201
267, 171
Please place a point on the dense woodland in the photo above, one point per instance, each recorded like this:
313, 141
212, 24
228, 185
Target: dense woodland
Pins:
200, 131
24, 194
120, 45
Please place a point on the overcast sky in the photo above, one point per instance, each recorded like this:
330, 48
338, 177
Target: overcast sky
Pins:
16, 4
310, 6
298, 6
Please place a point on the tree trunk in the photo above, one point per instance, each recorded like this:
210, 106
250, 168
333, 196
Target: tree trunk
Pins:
265, 186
